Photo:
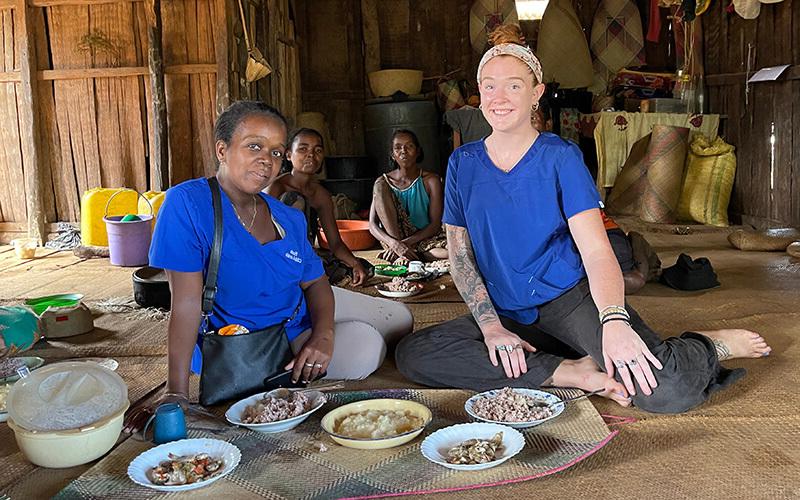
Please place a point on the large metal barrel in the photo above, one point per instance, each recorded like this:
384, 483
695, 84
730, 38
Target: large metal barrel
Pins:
382, 119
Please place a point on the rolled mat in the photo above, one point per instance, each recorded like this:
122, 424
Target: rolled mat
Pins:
771, 240
666, 156
626, 195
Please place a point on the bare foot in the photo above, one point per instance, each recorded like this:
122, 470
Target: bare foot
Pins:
585, 374
732, 344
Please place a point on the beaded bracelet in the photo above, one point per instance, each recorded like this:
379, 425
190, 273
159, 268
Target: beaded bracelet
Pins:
607, 311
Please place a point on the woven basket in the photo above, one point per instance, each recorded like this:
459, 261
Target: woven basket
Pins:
388, 81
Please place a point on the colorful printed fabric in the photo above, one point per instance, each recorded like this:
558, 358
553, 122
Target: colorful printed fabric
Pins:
521, 52
570, 126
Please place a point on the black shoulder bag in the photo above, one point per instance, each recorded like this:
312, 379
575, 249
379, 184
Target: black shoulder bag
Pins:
236, 366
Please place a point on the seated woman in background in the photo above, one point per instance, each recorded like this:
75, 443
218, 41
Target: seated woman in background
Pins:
407, 205
268, 272
300, 190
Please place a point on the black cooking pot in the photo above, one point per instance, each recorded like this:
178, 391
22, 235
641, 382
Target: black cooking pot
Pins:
348, 167
358, 190
151, 288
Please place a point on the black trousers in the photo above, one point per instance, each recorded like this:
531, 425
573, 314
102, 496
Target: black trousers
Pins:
453, 354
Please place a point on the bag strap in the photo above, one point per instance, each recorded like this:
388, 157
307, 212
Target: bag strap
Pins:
210, 286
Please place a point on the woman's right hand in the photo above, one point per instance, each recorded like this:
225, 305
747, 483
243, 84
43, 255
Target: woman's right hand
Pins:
509, 348
359, 273
402, 250
137, 416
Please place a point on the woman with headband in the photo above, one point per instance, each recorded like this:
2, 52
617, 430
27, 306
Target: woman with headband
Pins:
531, 259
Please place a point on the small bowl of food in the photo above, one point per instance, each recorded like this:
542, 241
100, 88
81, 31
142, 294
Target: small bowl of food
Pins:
184, 465
438, 266
275, 411
399, 288
474, 446
375, 424
514, 407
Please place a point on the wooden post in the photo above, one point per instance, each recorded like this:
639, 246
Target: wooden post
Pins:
29, 120
159, 149
372, 39
224, 30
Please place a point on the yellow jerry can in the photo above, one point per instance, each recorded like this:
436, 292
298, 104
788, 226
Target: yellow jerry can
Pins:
93, 209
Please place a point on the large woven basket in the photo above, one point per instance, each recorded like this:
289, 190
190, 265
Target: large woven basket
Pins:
388, 81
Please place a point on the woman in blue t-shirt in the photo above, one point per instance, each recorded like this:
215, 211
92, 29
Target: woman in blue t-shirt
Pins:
406, 211
530, 256
267, 266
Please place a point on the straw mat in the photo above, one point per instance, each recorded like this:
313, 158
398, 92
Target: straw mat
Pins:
343, 472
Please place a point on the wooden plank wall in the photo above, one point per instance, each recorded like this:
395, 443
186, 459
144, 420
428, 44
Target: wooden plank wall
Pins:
271, 28
767, 187
94, 101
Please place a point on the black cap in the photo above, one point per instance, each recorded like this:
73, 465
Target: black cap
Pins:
688, 274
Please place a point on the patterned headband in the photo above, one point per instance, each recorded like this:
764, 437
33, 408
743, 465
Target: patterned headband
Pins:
521, 52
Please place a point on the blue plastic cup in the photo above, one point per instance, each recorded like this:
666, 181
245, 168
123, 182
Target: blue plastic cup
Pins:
170, 423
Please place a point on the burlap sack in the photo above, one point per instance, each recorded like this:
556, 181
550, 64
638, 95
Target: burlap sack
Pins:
794, 249
706, 192
771, 240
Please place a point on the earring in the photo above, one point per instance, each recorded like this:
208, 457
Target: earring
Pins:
535, 106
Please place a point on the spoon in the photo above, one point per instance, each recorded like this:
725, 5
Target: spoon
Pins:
574, 398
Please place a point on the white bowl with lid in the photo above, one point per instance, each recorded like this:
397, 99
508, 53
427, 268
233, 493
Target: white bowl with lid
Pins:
67, 414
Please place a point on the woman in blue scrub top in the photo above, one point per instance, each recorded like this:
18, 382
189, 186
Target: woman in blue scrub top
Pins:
530, 256
406, 211
267, 266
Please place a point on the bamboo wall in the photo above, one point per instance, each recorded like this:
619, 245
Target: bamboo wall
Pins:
767, 187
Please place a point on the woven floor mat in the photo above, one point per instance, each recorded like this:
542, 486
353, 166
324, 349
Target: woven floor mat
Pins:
114, 335
432, 314
22, 479
344, 472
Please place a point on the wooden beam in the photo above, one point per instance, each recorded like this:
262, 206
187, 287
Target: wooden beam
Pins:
222, 30
9, 77
28, 110
55, 3
719, 80
78, 74
7, 4
159, 149
370, 26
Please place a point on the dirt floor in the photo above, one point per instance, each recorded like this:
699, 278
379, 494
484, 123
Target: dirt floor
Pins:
742, 444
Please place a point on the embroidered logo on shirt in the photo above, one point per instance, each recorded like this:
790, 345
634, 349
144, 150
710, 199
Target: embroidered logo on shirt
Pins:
293, 255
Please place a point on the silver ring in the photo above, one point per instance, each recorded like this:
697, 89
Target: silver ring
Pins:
310, 365
517, 346
317, 365
619, 364
500, 348
633, 362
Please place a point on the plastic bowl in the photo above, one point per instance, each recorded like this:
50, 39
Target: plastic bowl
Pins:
354, 233
40, 304
61, 449
546, 397
388, 81
234, 413
334, 417
25, 248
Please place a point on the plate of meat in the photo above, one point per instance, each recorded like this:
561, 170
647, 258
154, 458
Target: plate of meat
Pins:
184, 465
514, 407
399, 288
275, 411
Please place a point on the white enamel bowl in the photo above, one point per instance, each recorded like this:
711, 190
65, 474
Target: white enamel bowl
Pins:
436, 446
545, 397
215, 448
234, 413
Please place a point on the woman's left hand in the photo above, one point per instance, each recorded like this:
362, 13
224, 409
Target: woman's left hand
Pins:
359, 273
314, 357
626, 352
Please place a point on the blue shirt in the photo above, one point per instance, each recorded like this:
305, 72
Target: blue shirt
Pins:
517, 221
258, 285
415, 201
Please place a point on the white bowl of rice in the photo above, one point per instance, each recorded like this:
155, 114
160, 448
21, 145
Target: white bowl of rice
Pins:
375, 424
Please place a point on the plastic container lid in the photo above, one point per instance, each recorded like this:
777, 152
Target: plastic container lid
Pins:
64, 396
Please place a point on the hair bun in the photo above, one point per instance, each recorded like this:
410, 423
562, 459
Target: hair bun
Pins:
506, 33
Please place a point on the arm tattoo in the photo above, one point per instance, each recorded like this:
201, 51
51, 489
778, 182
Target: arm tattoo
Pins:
467, 278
